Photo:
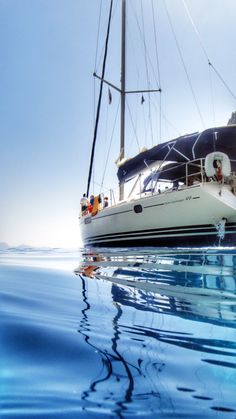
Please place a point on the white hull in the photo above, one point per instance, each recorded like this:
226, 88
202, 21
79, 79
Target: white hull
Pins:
184, 217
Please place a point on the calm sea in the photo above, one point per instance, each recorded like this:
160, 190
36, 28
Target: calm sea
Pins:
118, 334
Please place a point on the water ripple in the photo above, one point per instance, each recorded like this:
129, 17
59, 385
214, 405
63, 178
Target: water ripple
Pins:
147, 333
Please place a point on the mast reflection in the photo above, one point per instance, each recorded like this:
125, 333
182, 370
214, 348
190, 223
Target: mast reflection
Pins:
109, 358
199, 287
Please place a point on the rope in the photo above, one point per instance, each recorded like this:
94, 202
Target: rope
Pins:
184, 65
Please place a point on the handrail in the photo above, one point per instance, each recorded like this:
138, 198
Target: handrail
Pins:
199, 173
187, 178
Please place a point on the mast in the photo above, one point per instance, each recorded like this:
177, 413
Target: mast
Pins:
122, 92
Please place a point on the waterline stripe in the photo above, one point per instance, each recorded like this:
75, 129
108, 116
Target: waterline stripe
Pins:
205, 229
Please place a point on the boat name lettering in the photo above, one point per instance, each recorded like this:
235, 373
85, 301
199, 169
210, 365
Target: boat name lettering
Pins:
173, 202
188, 198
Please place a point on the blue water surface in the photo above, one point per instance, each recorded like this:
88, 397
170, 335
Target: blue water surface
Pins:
120, 333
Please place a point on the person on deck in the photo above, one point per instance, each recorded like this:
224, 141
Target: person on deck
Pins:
106, 202
92, 200
91, 204
84, 203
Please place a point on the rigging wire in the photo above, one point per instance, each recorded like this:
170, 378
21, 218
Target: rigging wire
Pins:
94, 119
195, 29
105, 136
97, 63
141, 36
134, 128
98, 34
134, 61
184, 65
223, 81
167, 122
205, 52
102, 187
212, 97
156, 48
99, 100
94, 81
95, 59
147, 72
147, 56
160, 121
103, 47
143, 115
133, 51
145, 126
158, 66
109, 148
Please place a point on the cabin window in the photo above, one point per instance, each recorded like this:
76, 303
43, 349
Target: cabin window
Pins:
138, 209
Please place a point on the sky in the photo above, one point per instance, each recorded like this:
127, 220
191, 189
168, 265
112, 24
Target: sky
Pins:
48, 56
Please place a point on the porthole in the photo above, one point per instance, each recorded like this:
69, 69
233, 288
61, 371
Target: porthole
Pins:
138, 209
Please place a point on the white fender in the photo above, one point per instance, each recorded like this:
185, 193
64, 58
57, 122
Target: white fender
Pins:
225, 164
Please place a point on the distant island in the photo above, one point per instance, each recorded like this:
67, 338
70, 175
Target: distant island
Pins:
6, 246
3, 246
232, 119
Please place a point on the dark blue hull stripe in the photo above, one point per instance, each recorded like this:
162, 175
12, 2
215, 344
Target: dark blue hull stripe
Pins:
160, 233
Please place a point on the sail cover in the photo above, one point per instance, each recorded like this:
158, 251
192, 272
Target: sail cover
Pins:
182, 149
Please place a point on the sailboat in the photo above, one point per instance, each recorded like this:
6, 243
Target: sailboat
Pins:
196, 205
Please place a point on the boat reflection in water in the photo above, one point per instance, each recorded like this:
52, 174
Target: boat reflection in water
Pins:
167, 343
